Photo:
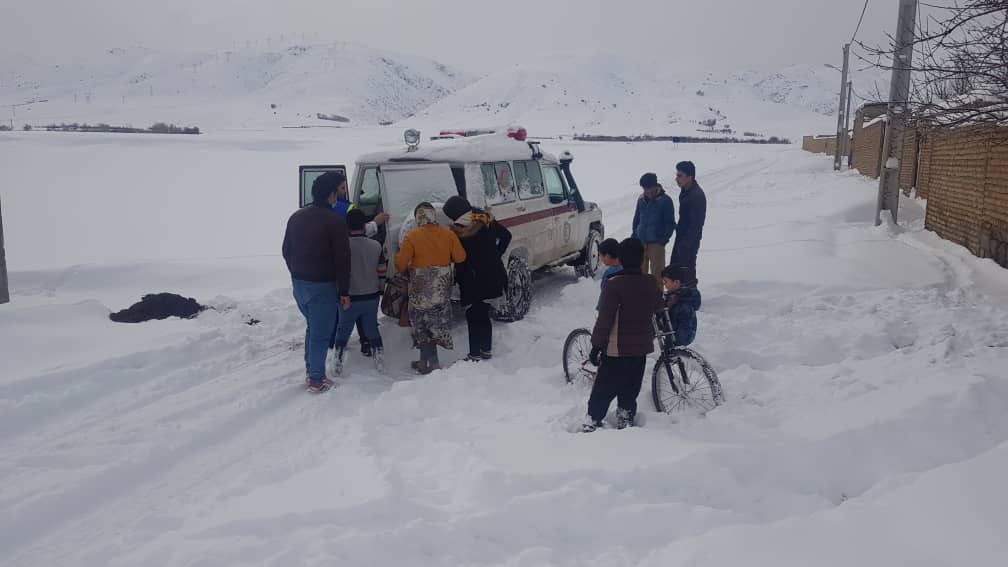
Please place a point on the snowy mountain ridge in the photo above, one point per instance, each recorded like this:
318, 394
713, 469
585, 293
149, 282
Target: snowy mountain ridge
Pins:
344, 83
349, 85
609, 94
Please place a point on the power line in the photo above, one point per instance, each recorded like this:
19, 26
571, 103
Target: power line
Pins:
859, 21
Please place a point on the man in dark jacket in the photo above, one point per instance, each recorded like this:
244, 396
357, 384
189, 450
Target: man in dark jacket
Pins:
482, 276
692, 214
316, 247
653, 224
622, 338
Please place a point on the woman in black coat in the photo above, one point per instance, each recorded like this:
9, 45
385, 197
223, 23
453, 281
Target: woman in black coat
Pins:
482, 276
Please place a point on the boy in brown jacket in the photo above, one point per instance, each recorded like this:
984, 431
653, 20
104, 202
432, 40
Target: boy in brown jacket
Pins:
622, 338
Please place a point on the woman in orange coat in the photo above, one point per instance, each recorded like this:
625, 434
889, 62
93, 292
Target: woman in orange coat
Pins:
428, 252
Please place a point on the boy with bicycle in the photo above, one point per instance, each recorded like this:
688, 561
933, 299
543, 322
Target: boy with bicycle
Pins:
622, 338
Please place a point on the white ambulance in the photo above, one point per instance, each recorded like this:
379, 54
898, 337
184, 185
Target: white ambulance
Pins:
529, 191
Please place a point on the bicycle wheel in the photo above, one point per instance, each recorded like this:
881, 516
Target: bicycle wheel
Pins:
576, 350
683, 381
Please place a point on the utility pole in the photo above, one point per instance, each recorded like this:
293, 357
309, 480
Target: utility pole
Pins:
847, 139
4, 290
899, 93
841, 130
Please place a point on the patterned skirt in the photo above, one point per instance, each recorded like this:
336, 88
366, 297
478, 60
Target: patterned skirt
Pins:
429, 306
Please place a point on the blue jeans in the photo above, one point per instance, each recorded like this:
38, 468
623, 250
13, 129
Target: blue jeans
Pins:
319, 303
365, 344
363, 313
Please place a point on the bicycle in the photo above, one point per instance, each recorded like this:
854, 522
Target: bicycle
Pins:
681, 380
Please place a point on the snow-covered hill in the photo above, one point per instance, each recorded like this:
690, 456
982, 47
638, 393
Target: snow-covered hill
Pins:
812, 87
561, 93
246, 87
610, 94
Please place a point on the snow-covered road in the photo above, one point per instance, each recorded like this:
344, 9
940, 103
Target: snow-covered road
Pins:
866, 372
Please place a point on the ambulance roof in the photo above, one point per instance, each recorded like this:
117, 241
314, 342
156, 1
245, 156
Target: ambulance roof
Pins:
486, 147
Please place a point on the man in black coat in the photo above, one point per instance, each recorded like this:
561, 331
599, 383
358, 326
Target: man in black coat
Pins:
482, 276
692, 214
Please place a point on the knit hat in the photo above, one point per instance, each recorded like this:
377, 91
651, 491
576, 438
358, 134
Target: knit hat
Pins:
455, 207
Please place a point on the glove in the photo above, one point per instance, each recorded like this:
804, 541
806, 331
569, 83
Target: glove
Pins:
595, 357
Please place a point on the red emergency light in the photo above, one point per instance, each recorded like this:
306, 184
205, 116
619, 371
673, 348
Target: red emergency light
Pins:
519, 134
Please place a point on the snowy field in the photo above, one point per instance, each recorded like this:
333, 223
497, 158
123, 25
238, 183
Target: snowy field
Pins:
866, 373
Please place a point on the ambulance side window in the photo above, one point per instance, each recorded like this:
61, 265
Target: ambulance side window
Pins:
498, 182
369, 196
529, 179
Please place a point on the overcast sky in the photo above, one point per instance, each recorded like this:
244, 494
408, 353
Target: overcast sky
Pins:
477, 35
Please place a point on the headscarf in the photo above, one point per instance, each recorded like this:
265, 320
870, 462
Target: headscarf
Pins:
482, 216
424, 214
463, 214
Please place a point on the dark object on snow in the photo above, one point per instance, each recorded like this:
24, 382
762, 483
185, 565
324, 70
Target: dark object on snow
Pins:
158, 306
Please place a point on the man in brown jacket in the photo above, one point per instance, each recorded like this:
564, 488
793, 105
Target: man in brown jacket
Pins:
622, 338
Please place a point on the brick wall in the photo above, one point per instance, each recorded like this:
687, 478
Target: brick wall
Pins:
962, 172
868, 148
908, 160
819, 144
994, 226
964, 175
924, 164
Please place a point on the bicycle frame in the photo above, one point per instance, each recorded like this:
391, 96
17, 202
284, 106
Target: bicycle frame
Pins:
688, 385
665, 333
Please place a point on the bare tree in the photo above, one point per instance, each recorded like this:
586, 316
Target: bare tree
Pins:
960, 63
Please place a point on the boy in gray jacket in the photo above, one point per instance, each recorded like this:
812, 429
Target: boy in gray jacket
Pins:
365, 292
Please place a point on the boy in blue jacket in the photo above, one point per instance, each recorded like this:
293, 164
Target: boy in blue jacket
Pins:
608, 251
682, 300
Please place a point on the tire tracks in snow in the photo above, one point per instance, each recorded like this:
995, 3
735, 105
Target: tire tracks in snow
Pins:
119, 430
232, 399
